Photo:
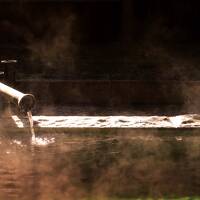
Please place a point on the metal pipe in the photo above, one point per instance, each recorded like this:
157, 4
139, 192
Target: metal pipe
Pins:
25, 102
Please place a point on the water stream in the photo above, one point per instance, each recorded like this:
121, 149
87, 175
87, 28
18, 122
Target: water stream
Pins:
37, 140
30, 118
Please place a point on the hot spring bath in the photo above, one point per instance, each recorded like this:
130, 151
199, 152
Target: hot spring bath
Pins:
100, 157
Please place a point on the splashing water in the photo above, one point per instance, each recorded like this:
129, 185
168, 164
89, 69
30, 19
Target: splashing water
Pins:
36, 140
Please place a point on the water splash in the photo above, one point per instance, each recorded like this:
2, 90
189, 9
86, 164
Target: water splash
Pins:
37, 140
42, 141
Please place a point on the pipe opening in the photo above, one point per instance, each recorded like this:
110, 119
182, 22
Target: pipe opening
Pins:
26, 103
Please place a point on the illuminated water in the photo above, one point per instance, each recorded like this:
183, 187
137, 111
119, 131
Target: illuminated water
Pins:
37, 140
30, 118
99, 166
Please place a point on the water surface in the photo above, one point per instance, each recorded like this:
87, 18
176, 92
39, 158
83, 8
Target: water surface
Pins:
98, 166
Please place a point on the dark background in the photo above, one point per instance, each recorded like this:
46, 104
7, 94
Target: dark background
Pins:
129, 39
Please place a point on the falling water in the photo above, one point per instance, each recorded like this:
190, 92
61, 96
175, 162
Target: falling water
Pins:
37, 140
30, 117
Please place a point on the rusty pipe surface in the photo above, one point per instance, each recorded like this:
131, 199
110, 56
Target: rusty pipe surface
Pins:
25, 102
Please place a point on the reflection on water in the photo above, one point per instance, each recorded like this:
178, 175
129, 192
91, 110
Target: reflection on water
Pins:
98, 167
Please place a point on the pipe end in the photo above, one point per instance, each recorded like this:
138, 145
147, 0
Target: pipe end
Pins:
26, 103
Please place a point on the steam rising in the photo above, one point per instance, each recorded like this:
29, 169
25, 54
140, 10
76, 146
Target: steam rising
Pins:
56, 49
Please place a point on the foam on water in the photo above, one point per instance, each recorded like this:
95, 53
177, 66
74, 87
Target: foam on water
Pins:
42, 141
